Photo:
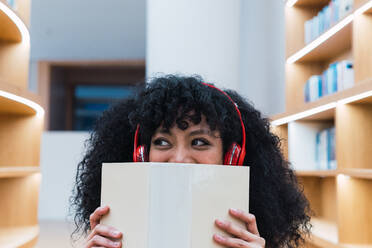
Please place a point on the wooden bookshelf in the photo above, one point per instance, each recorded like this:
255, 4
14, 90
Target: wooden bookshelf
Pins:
18, 171
19, 236
340, 198
9, 31
21, 122
357, 173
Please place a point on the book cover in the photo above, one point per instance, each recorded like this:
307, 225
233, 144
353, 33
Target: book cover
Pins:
334, 77
348, 74
340, 74
323, 156
171, 205
332, 164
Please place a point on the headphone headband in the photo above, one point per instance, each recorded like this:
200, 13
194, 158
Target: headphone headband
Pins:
242, 154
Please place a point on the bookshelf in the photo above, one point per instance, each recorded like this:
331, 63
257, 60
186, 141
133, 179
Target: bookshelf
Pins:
340, 198
21, 121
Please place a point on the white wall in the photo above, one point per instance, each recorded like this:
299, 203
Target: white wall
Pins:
238, 44
60, 154
262, 54
194, 37
86, 30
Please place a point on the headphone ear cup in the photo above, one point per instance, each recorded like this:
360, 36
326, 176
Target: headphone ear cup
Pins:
141, 154
232, 155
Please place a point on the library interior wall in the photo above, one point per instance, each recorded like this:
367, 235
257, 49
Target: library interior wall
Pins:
262, 54
86, 30
194, 37
249, 38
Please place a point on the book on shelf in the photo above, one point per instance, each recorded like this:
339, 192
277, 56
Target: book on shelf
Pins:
326, 18
12, 4
337, 77
325, 155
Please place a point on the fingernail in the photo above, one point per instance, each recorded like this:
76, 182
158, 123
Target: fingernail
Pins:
116, 233
219, 237
234, 210
117, 244
220, 222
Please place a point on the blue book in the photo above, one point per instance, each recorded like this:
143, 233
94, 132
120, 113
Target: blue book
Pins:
317, 150
307, 91
324, 83
11, 3
329, 80
336, 11
334, 77
321, 22
327, 17
319, 86
331, 149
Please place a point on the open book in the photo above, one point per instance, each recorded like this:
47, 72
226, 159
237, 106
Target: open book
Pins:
165, 205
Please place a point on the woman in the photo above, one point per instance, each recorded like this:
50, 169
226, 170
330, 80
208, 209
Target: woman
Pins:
182, 119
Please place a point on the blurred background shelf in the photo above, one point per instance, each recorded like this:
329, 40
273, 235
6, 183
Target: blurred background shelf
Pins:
319, 173
19, 171
340, 198
23, 237
360, 93
9, 30
10, 105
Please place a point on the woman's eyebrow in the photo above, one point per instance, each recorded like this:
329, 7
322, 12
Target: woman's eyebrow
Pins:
201, 131
164, 131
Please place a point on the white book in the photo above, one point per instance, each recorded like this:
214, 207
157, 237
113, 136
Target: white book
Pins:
342, 9
348, 74
307, 31
323, 152
165, 205
340, 75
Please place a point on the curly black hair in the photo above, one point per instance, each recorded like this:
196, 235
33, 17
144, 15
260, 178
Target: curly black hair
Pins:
276, 198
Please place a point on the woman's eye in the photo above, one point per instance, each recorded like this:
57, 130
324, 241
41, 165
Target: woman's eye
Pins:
200, 142
160, 142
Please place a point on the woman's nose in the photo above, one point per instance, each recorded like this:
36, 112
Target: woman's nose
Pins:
181, 155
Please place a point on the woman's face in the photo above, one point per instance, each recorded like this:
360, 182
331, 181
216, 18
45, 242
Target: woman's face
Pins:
197, 144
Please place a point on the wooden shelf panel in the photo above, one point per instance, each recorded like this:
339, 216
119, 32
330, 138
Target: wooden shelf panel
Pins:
333, 46
355, 173
18, 236
9, 31
311, 3
10, 106
18, 171
324, 233
345, 95
317, 173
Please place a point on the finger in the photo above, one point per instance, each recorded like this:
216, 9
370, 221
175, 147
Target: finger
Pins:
96, 216
248, 219
104, 242
231, 242
236, 231
105, 231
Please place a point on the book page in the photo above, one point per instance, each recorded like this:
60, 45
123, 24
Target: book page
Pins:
165, 205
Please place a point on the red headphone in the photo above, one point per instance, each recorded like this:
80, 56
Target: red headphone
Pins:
234, 155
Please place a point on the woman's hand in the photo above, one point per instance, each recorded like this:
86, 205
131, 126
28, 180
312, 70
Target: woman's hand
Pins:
100, 235
242, 238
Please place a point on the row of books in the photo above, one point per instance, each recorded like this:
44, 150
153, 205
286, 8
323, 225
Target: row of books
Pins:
337, 77
11, 3
326, 18
325, 156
